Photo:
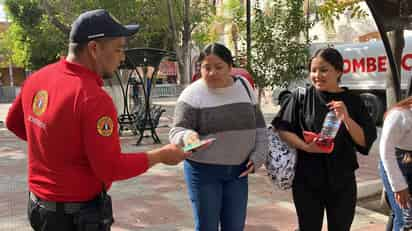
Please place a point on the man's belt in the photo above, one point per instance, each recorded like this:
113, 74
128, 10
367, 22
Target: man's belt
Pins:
69, 207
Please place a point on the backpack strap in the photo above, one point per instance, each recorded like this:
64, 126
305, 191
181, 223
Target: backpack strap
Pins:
245, 86
301, 92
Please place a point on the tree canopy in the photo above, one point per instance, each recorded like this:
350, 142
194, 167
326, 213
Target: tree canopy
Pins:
39, 29
279, 48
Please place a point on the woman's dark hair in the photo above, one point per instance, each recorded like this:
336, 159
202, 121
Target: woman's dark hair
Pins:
330, 55
219, 50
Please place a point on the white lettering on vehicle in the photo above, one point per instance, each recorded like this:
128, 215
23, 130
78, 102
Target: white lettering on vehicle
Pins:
374, 64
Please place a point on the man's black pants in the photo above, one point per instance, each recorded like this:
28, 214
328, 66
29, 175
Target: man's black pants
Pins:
42, 219
339, 203
90, 217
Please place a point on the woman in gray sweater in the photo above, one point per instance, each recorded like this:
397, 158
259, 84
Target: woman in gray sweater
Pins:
224, 107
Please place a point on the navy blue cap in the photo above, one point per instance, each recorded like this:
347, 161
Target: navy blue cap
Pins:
98, 24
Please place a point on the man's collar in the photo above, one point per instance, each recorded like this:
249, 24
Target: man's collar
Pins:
78, 69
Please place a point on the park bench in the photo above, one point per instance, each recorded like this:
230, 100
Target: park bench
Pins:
148, 121
144, 63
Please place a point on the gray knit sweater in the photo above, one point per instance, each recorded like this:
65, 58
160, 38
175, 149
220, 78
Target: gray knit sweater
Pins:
227, 114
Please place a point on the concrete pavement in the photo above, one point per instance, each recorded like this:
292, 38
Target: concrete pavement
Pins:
157, 200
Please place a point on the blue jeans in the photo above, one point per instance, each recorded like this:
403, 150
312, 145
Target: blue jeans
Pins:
404, 159
218, 195
396, 210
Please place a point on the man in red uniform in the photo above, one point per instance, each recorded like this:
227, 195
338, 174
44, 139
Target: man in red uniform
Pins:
70, 125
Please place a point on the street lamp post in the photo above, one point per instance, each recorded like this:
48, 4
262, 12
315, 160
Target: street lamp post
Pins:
248, 34
307, 19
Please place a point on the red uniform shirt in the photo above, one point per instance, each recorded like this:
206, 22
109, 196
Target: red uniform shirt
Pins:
70, 124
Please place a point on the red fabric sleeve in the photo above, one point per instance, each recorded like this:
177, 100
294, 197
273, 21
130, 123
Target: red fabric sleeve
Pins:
15, 119
102, 145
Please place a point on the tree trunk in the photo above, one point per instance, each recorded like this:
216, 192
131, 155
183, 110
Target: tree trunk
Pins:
182, 52
259, 98
397, 42
186, 37
248, 34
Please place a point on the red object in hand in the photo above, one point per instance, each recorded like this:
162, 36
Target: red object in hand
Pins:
325, 144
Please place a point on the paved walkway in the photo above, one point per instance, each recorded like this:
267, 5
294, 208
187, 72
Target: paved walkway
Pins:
157, 200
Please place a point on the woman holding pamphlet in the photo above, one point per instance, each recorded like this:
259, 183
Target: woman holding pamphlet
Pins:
396, 158
327, 125
222, 107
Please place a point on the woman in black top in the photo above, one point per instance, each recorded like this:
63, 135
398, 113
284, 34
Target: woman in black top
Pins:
325, 181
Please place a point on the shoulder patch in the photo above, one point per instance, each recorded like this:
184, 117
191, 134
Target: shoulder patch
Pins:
40, 102
105, 126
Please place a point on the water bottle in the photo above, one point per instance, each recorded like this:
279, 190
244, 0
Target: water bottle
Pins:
330, 128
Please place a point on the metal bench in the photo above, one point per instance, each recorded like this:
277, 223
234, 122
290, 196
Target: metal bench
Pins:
148, 121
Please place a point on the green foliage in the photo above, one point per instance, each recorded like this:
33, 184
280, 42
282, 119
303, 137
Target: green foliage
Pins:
331, 9
236, 17
9, 45
207, 31
204, 32
152, 17
38, 34
29, 36
25, 13
279, 49
203, 22
34, 39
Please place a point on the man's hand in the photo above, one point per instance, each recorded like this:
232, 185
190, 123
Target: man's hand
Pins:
169, 154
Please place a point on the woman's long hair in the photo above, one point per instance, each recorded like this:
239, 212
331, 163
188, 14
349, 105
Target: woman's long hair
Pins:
403, 104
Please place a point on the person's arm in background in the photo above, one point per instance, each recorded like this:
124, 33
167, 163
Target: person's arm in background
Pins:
15, 118
392, 131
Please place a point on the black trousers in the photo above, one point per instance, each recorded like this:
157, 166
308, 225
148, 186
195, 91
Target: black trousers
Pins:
311, 203
42, 219
88, 218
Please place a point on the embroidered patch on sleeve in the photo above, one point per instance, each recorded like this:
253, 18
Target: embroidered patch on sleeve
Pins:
40, 102
105, 126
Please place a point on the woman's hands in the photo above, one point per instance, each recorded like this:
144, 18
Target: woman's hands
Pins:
295, 141
191, 137
402, 198
353, 127
340, 109
313, 147
250, 169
